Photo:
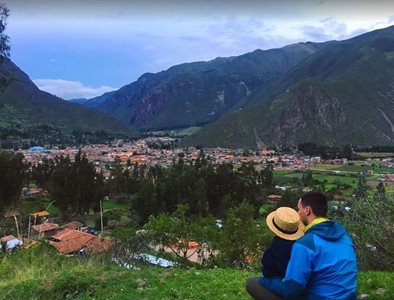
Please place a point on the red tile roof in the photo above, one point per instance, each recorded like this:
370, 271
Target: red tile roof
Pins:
46, 226
7, 238
71, 240
73, 225
98, 245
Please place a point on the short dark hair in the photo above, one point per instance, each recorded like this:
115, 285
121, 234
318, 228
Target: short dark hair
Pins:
317, 201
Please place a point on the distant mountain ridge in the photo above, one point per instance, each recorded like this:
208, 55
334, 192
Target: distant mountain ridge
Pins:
23, 106
199, 93
78, 100
344, 93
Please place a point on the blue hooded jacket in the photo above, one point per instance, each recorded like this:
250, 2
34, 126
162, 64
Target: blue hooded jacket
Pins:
323, 265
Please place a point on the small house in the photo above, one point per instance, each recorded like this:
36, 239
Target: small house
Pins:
45, 229
10, 242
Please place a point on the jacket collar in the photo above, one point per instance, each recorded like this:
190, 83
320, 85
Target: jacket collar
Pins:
314, 222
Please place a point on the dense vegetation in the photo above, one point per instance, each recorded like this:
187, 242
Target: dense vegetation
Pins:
204, 187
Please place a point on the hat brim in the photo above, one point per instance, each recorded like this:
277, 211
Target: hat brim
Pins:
291, 237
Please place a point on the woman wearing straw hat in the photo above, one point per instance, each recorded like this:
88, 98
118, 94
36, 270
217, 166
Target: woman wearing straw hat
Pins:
286, 225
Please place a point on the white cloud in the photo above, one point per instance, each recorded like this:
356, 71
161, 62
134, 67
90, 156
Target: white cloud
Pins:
68, 90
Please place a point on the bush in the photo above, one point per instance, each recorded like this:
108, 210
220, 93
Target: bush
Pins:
370, 222
240, 238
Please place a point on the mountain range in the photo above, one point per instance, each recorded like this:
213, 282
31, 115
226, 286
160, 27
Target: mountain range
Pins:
344, 93
331, 93
201, 92
26, 111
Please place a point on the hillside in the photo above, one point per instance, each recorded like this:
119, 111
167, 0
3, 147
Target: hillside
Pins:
342, 94
200, 92
34, 274
25, 110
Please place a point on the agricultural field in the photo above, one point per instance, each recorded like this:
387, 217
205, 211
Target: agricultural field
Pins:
343, 178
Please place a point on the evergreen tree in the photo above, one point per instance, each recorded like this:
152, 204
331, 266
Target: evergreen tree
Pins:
267, 177
41, 173
76, 186
12, 174
307, 178
200, 197
381, 189
361, 189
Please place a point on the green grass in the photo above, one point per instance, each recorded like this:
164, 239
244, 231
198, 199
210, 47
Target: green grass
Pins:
375, 154
113, 205
41, 273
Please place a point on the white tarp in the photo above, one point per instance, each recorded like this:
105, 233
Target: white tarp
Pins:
11, 244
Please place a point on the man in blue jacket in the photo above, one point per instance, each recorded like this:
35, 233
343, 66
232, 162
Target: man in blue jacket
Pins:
323, 262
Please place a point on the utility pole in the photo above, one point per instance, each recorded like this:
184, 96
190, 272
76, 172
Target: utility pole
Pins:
28, 232
17, 227
101, 218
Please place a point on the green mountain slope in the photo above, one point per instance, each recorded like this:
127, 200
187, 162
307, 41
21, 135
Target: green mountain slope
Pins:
344, 93
200, 92
23, 107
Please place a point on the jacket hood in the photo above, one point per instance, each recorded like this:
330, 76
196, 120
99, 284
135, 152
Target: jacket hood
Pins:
328, 230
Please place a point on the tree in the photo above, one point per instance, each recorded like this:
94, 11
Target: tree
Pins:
12, 173
370, 223
76, 186
347, 151
267, 177
4, 52
239, 236
200, 197
175, 232
307, 178
41, 173
361, 189
4, 41
381, 189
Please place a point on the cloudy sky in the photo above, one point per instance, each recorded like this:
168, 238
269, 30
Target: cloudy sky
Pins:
84, 48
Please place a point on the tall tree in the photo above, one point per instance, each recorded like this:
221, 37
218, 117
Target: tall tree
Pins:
361, 189
12, 172
4, 39
76, 186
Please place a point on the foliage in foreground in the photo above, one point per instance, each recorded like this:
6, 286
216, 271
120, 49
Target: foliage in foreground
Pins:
370, 222
41, 273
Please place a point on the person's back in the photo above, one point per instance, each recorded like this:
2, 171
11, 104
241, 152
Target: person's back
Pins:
286, 225
330, 251
276, 257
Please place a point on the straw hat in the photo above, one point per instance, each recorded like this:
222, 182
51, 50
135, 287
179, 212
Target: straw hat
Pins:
285, 223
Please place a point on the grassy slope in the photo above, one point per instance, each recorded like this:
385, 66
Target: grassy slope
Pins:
39, 273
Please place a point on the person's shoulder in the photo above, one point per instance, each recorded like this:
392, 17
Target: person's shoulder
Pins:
307, 241
280, 241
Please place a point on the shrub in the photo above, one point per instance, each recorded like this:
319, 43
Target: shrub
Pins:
370, 222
